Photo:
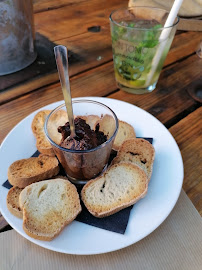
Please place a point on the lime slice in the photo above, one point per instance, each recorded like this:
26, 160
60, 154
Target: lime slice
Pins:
137, 83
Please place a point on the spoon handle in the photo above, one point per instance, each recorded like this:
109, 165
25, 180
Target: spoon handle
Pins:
62, 65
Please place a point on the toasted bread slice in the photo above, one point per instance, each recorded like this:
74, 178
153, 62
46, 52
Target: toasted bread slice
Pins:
13, 201
139, 152
38, 121
92, 120
125, 131
59, 118
48, 206
120, 186
42, 143
107, 125
23, 172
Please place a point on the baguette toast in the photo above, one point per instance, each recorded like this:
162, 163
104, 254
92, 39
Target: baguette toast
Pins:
139, 152
120, 186
48, 206
125, 131
12, 201
57, 119
42, 143
92, 120
24, 172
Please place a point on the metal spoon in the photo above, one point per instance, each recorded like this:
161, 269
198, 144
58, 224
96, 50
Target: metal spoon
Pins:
61, 57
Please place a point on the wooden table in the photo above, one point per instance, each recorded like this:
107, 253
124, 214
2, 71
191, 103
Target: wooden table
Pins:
83, 27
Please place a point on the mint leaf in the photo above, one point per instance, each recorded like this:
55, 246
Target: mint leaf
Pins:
131, 24
157, 26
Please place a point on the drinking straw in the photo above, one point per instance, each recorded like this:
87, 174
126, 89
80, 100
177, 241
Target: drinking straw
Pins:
164, 35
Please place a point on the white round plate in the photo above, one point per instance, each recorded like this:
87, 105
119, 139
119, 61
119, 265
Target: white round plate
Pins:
146, 215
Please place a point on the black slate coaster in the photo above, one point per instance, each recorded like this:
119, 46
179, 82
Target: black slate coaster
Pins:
115, 223
147, 139
7, 185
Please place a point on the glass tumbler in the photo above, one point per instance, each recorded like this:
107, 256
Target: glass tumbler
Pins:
82, 165
140, 44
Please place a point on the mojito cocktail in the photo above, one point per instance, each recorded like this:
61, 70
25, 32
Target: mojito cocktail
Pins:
136, 39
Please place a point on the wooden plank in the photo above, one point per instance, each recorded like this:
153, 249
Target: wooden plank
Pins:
27, 87
170, 98
183, 45
164, 103
43, 5
79, 17
195, 195
97, 82
188, 134
91, 54
65, 22
94, 50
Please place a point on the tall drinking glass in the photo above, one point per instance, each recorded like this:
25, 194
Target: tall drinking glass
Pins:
136, 39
